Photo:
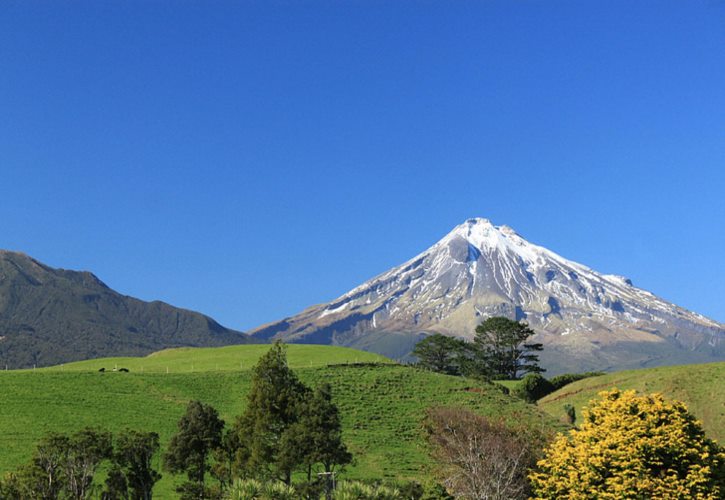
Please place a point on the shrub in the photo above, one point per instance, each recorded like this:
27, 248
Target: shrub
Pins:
567, 378
251, 489
435, 491
245, 489
355, 490
632, 446
570, 413
533, 387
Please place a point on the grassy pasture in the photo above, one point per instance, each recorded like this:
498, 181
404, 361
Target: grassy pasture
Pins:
701, 387
382, 406
230, 358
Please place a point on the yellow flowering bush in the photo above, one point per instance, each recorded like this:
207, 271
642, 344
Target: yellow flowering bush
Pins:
632, 447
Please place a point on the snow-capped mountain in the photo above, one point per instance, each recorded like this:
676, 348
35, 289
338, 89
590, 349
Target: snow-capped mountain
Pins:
585, 319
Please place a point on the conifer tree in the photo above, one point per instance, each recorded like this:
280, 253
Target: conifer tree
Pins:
502, 351
316, 437
443, 354
273, 405
133, 470
200, 432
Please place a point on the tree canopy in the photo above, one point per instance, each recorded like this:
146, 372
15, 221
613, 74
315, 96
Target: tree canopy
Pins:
285, 426
133, 467
443, 354
272, 407
63, 466
200, 432
501, 347
317, 434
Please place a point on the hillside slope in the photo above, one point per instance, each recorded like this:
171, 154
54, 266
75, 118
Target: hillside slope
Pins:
700, 387
381, 406
50, 316
230, 358
586, 320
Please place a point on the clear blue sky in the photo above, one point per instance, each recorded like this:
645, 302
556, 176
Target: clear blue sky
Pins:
247, 159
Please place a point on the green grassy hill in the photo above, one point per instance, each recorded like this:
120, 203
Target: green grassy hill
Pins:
700, 387
382, 406
230, 358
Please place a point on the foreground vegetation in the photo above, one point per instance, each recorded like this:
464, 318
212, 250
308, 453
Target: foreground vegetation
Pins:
397, 424
700, 387
631, 446
382, 405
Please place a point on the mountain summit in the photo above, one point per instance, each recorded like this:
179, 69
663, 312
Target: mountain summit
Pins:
586, 320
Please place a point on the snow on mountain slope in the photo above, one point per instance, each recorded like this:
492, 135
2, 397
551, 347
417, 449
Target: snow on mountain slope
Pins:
586, 320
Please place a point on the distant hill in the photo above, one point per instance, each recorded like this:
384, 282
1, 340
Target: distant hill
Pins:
223, 359
381, 405
586, 320
700, 387
50, 316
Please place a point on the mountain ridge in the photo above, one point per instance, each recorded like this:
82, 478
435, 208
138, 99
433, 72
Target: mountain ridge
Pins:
50, 316
588, 320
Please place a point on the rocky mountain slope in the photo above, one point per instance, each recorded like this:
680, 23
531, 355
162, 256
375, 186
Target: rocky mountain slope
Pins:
50, 316
585, 319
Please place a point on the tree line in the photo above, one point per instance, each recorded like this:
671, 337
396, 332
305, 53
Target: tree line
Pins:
499, 350
64, 466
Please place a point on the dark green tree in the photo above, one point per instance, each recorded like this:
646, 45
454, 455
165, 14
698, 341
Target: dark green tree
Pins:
533, 387
315, 440
443, 354
200, 433
273, 405
133, 456
501, 347
223, 457
116, 485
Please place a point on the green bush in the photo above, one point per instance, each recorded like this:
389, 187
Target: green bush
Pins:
570, 413
533, 387
567, 378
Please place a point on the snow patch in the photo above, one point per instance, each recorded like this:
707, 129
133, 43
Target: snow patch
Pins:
327, 312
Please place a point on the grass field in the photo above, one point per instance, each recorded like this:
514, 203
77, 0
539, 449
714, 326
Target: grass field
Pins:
230, 358
509, 384
382, 406
700, 387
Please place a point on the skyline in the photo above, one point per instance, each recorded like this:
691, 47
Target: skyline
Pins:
249, 160
387, 270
